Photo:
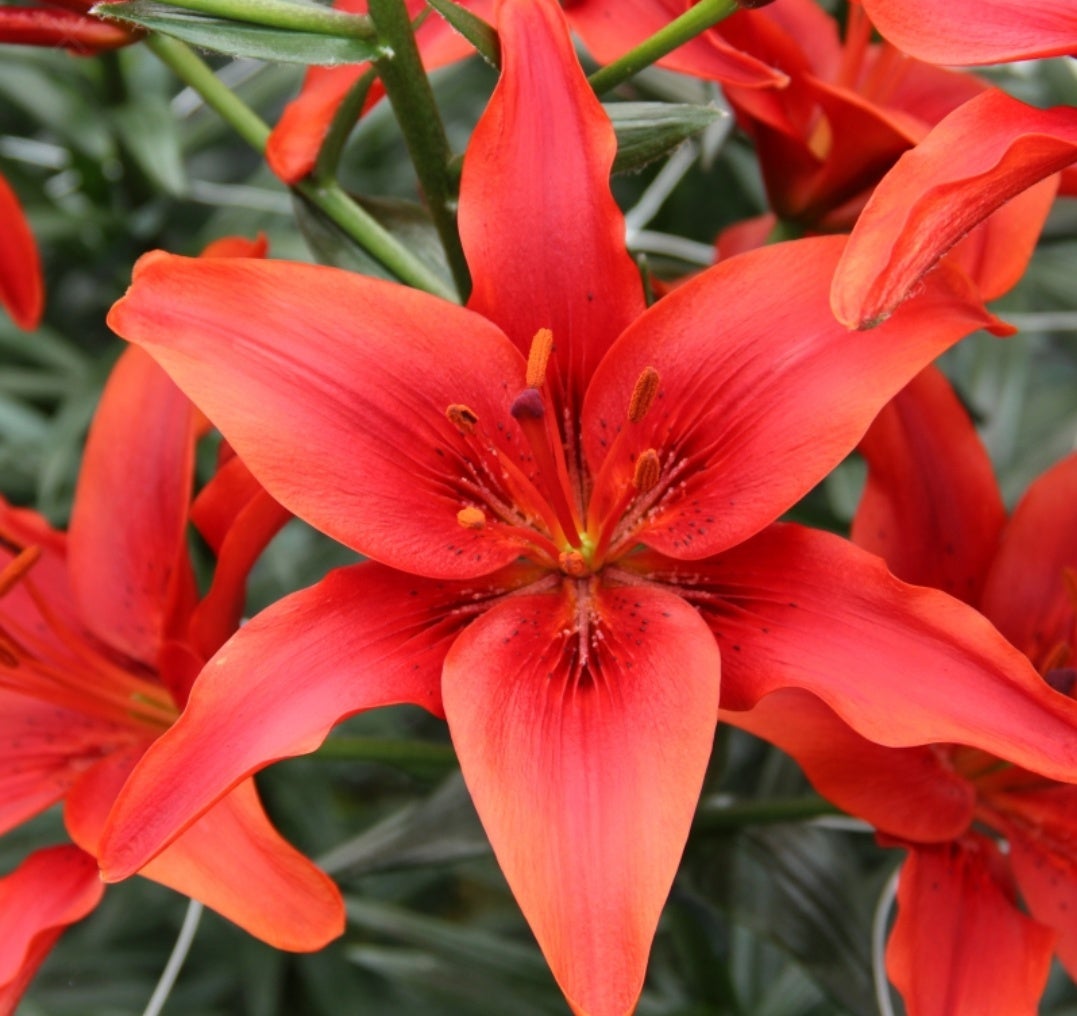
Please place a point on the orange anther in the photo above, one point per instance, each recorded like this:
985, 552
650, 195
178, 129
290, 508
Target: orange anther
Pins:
462, 418
643, 394
471, 517
648, 469
538, 357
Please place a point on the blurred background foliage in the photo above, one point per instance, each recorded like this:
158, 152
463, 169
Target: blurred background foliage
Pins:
112, 157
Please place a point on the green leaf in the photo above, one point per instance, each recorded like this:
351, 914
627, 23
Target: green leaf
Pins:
646, 131
442, 829
233, 38
406, 220
149, 132
481, 35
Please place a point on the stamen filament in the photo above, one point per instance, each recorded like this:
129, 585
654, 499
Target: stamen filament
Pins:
529, 411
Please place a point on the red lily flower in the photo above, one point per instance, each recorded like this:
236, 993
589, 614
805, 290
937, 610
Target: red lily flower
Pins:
101, 634
22, 290
990, 151
961, 945
851, 110
968, 32
607, 29
502, 465
67, 24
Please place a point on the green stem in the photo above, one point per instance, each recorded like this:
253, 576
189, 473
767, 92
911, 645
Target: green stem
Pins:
720, 817
310, 18
695, 20
385, 749
412, 99
329, 197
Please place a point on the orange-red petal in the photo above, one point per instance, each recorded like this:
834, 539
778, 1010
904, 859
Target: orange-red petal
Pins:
22, 288
762, 391
585, 751
961, 946
931, 506
51, 889
911, 793
544, 239
128, 534
970, 32
980, 156
903, 665
231, 859
365, 636
333, 388
1031, 592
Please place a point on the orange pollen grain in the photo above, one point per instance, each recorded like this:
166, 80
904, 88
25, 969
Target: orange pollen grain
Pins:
471, 518
462, 418
538, 357
648, 469
643, 394
572, 563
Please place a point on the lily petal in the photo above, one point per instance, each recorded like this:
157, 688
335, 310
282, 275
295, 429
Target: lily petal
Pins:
911, 793
902, 665
1041, 827
51, 889
22, 289
231, 859
760, 400
1030, 592
281, 683
127, 573
43, 749
585, 753
970, 32
972, 162
549, 251
333, 388
960, 946
609, 30
931, 507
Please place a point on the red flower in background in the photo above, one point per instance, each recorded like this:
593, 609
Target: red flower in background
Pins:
852, 109
962, 945
67, 24
992, 153
608, 30
969, 32
22, 290
101, 634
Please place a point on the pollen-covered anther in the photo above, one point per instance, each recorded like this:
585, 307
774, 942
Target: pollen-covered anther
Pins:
572, 563
648, 469
462, 418
471, 517
538, 357
17, 567
643, 394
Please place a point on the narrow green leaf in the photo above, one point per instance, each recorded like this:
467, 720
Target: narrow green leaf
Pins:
149, 132
647, 131
246, 40
480, 34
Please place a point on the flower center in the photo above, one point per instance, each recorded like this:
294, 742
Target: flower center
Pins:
542, 497
42, 656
